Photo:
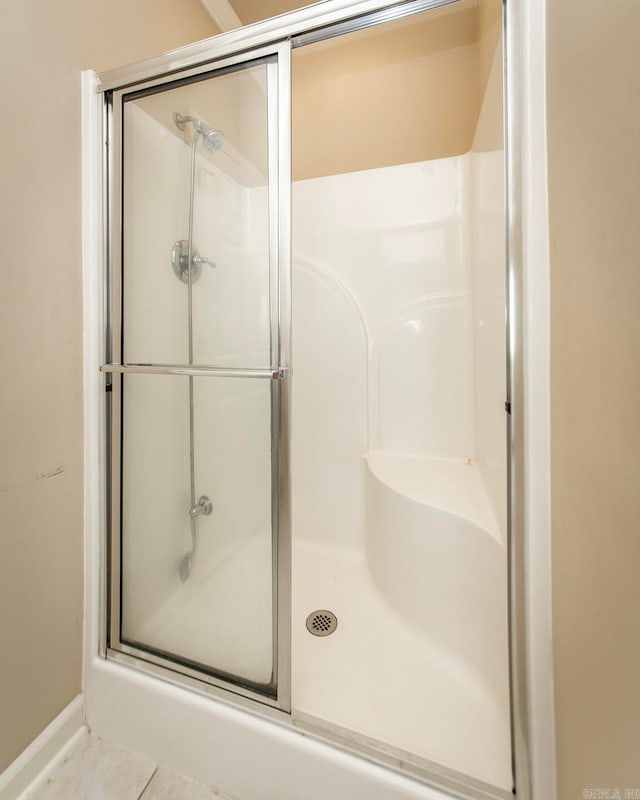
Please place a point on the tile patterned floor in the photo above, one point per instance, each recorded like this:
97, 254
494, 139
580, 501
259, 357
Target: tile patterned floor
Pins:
98, 770
166, 785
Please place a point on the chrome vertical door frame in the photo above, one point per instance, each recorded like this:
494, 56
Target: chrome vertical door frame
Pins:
530, 610
281, 390
113, 347
515, 405
277, 62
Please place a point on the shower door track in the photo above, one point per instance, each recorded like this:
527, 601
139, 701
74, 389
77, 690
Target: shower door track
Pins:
296, 29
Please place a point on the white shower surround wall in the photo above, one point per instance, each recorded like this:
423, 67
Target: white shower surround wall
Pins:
394, 528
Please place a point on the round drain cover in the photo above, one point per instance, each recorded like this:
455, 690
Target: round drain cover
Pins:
322, 622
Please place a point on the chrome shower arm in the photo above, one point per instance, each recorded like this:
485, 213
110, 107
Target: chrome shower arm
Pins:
180, 121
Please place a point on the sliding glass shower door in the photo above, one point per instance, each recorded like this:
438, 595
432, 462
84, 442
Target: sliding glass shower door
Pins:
197, 374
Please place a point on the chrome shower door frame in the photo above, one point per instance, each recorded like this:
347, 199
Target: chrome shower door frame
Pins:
276, 57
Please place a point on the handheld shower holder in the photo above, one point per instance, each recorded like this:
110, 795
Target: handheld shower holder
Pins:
204, 506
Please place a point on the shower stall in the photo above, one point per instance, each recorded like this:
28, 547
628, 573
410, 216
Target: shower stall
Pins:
309, 482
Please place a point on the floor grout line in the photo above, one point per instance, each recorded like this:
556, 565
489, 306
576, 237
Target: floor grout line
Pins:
146, 786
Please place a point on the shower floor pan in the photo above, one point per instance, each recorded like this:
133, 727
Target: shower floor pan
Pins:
417, 664
379, 677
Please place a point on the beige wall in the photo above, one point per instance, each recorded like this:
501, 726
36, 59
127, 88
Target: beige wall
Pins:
594, 180
253, 10
393, 94
43, 47
489, 129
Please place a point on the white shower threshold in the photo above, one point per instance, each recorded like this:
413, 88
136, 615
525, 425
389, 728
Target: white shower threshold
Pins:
240, 754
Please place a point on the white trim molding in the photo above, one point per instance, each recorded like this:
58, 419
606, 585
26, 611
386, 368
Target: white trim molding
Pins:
536, 341
93, 321
222, 14
46, 750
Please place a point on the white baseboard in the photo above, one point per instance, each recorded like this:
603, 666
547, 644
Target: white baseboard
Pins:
48, 748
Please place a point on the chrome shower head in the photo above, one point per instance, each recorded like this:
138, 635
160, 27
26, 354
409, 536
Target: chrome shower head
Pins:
212, 138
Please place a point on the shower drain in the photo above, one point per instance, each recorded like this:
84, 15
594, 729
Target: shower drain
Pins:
322, 622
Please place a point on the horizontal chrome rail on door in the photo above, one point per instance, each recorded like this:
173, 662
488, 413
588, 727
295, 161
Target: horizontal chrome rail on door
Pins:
279, 374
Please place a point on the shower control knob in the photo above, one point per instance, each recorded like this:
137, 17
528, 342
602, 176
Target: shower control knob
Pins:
180, 261
201, 260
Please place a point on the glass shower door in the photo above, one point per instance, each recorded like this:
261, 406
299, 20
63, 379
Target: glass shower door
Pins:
197, 376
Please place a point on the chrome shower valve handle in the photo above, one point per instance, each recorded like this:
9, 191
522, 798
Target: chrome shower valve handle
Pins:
180, 261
